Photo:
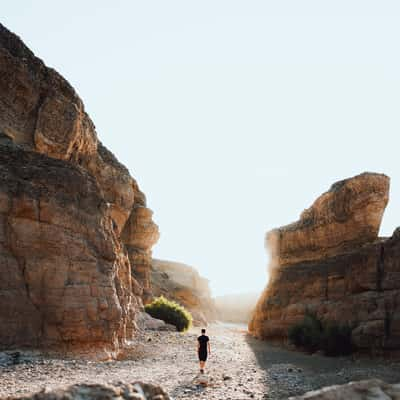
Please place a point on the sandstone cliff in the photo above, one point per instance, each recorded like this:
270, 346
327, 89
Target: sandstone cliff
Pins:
68, 208
183, 284
332, 262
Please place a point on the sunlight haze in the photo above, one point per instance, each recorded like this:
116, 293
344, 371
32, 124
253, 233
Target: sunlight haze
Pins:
233, 116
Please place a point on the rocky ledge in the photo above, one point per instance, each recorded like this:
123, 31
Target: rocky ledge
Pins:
72, 219
332, 263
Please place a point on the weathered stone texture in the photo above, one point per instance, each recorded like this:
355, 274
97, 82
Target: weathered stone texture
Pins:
362, 390
346, 216
65, 274
355, 280
120, 391
65, 277
183, 284
139, 235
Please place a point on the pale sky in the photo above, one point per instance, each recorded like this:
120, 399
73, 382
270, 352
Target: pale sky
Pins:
232, 115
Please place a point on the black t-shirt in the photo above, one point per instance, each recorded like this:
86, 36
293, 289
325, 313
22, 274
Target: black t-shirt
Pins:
203, 339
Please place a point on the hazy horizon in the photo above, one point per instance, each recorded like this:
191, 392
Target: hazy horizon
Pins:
233, 116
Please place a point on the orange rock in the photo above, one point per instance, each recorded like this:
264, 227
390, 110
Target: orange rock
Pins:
332, 263
67, 208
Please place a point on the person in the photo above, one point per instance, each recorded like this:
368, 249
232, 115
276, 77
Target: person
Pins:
203, 349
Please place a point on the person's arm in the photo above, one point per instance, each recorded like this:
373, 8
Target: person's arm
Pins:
209, 347
198, 345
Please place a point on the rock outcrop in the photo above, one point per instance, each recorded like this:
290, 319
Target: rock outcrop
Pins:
333, 264
183, 284
120, 391
67, 209
139, 235
362, 390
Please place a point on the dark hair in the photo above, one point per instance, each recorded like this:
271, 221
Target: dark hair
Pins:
203, 331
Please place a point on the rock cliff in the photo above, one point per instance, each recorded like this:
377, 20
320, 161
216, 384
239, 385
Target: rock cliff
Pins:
67, 210
331, 262
183, 284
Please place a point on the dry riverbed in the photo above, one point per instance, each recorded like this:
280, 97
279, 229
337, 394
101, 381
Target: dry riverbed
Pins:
240, 367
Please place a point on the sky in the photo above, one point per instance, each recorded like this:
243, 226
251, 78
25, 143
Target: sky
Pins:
232, 115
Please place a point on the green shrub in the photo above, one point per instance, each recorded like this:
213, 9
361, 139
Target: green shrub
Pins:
170, 312
307, 334
311, 334
336, 340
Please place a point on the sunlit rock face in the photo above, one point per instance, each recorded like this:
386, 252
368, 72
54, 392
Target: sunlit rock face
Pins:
65, 275
332, 263
345, 217
183, 284
139, 235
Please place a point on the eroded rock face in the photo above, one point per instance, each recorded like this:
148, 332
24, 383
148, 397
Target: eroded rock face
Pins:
362, 390
346, 216
355, 281
139, 235
183, 284
65, 279
129, 391
65, 200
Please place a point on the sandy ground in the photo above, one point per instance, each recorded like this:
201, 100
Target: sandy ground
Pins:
240, 367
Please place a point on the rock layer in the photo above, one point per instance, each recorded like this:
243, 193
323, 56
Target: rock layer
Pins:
183, 284
341, 271
346, 216
67, 208
139, 235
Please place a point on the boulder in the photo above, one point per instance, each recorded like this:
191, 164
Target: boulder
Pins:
146, 322
362, 390
120, 391
333, 263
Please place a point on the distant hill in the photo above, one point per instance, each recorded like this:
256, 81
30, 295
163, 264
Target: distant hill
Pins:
236, 307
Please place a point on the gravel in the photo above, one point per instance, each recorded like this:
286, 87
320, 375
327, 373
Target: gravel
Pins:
239, 368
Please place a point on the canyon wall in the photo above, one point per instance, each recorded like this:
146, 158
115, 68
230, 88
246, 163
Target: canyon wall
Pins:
72, 219
332, 263
183, 284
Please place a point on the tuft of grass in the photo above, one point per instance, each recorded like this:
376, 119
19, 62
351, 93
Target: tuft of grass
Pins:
170, 312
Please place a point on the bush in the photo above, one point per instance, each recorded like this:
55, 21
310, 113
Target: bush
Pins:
170, 312
307, 334
312, 335
336, 340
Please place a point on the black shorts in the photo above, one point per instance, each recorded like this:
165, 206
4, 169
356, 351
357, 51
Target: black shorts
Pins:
202, 355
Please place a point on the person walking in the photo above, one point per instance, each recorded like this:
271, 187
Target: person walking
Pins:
203, 349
